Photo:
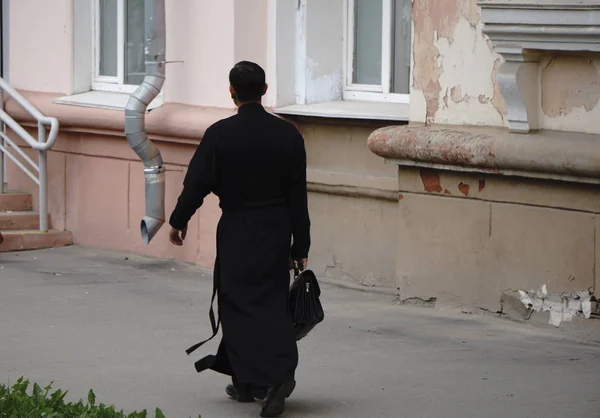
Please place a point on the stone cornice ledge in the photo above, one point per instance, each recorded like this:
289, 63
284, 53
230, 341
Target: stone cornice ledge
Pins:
524, 30
564, 156
548, 25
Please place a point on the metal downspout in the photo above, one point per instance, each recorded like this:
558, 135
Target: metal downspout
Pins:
135, 111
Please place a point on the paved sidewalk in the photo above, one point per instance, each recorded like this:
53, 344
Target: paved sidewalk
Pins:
120, 324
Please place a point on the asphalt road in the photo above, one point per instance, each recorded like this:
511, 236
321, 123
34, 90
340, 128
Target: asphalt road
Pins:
120, 324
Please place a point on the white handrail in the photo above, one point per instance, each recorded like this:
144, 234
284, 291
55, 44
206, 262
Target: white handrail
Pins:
41, 144
18, 163
19, 151
6, 150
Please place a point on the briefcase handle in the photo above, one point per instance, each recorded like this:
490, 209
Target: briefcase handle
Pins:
298, 269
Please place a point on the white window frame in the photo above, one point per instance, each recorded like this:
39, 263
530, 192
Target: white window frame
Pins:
104, 83
364, 92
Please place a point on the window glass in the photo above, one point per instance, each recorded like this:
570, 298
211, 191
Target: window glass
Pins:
108, 48
402, 46
135, 57
368, 26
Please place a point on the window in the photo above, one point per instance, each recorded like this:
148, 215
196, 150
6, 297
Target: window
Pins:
119, 57
378, 42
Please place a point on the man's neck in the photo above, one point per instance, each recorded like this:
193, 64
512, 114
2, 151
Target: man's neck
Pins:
246, 103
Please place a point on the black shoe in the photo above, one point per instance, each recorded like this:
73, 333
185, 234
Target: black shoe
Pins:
274, 404
239, 394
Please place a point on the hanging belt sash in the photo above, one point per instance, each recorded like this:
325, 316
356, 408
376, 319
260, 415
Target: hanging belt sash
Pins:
209, 361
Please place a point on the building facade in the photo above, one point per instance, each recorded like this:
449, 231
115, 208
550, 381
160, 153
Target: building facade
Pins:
447, 80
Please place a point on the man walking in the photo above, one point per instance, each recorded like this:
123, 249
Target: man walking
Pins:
256, 164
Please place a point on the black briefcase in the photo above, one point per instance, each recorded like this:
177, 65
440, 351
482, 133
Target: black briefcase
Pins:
304, 303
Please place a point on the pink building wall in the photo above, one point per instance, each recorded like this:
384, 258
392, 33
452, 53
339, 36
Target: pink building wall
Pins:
96, 181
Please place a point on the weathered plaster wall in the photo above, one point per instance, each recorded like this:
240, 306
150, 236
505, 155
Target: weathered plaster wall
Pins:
354, 237
454, 72
324, 50
309, 51
343, 149
570, 94
470, 239
354, 241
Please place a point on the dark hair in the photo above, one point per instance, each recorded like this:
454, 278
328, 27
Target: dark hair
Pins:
248, 81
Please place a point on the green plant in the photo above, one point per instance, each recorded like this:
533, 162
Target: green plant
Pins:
16, 402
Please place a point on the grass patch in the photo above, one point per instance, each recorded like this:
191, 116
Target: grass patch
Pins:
19, 402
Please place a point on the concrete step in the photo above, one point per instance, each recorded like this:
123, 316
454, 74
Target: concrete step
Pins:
15, 201
11, 221
23, 240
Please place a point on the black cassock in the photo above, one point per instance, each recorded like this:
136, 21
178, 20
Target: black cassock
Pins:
256, 164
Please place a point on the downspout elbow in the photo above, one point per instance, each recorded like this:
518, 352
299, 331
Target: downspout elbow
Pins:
135, 114
155, 203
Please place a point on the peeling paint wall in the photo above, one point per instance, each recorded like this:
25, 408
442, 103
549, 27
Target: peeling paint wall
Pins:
570, 94
324, 50
562, 308
454, 72
472, 239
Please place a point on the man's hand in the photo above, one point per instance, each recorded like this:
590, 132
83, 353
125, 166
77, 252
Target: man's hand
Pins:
177, 237
302, 263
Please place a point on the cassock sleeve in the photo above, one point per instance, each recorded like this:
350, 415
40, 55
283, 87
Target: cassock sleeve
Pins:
199, 181
298, 200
